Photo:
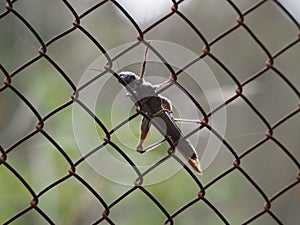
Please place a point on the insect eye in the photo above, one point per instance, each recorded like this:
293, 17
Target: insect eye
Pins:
131, 78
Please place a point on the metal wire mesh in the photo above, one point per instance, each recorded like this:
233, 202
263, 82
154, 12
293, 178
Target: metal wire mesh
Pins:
104, 211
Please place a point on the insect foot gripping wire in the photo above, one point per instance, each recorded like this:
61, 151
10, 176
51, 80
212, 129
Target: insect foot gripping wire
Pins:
156, 106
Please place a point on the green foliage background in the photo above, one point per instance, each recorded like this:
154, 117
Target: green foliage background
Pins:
70, 202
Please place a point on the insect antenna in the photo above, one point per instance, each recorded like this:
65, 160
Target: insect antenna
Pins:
144, 63
94, 69
117, 62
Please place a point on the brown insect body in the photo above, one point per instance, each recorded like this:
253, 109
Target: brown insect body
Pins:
155, 107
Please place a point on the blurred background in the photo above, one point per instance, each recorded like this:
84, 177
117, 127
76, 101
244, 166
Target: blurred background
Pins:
41, 164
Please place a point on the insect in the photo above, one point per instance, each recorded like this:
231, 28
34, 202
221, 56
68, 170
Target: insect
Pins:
159, 109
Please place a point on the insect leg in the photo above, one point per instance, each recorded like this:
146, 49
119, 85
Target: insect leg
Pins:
145, 127
179, 120
153, 146
166, 103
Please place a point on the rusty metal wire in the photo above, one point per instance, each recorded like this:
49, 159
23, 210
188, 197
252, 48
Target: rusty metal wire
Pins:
107, 207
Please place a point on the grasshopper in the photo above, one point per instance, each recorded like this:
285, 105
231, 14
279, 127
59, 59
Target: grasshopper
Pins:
159, 109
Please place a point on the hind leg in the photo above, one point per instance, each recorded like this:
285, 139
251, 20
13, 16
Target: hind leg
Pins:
145, 127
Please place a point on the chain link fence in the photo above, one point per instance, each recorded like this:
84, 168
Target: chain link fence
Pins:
251, 46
